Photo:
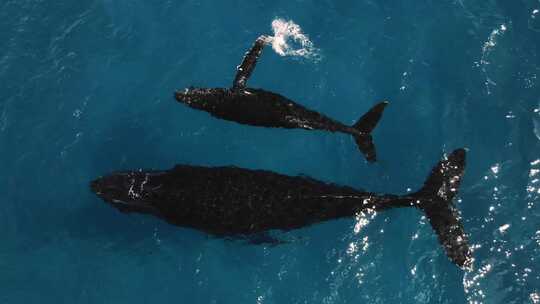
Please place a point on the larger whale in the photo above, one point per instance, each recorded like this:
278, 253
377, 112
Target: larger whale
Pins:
236, 202
262, 108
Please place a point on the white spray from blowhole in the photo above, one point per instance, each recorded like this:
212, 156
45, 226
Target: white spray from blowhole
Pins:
289, 40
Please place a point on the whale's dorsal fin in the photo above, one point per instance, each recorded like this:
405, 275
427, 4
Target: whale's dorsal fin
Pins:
244, 70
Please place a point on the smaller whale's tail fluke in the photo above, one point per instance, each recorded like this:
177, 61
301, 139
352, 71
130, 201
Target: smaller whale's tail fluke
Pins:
365, 125
435, 199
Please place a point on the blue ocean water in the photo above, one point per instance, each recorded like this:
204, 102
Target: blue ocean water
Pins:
86, 89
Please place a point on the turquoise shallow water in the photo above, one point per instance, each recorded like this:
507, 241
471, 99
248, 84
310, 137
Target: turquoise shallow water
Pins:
86, 88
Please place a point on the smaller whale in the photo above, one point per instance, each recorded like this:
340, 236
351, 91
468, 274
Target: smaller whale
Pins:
234, 202
262, 108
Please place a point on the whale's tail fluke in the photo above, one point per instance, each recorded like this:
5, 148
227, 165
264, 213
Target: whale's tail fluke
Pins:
435, 199
365, 125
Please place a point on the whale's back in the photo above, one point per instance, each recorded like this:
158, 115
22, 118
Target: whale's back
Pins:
230, 200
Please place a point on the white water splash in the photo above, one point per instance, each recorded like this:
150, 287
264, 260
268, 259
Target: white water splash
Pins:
535, 297
289, 40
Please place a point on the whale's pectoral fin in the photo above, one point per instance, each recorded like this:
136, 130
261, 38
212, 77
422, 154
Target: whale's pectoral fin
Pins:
264, 238
435, 199
259, 238
247, 66
365, 125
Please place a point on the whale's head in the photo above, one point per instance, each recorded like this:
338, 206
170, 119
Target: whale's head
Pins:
126, 191
202, 98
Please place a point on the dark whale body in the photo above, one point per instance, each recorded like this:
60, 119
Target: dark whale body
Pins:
262, 108
230, 201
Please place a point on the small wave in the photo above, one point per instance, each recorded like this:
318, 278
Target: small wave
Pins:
487, 48
289, 40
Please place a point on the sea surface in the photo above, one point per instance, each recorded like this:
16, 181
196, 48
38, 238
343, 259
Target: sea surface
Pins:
86, 88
